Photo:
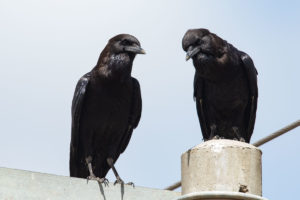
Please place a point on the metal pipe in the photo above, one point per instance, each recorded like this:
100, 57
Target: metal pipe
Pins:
276, 134
174, 186
257, 144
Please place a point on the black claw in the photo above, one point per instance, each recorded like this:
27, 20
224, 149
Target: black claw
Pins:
99, 180
216, 137
104, 181
131, 183
91, 178
119, 181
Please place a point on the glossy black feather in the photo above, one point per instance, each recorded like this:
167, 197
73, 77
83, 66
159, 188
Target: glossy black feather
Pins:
225, 86
77, 105
106, 108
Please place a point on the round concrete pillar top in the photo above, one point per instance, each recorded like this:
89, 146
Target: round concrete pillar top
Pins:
222, 165
218, 145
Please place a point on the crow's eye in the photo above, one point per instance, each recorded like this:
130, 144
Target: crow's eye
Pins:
125, 42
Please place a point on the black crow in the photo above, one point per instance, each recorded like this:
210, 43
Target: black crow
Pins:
106, 107
225, 86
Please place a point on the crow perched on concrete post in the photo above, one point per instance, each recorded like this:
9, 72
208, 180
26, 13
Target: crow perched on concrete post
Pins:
225, 86
106, 107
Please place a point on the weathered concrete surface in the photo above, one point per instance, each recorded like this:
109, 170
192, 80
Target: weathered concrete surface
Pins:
222, 165
26, 185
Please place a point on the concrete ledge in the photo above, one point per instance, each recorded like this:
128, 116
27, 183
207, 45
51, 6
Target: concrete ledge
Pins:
26, 185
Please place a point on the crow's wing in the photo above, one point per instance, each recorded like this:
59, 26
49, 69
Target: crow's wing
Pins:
77, 105
135, 114
200, 104
251, 74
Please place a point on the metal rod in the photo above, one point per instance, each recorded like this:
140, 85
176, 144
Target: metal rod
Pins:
174, 186
257, 144
276, 134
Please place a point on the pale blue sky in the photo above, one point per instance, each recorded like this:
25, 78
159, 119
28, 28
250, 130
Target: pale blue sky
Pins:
46, 46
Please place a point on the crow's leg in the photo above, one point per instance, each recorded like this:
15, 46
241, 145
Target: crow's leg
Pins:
92, 175
237, 134
110, 162
213, 131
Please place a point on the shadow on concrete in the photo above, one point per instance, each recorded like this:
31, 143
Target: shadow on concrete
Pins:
101, 190
122, 191
189, 155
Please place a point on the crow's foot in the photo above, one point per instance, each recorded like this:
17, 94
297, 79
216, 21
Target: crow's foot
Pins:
122, 183
119, 181
99, 180
213, 131
130, 183
237, 134
104, 181
91, 177
216, 137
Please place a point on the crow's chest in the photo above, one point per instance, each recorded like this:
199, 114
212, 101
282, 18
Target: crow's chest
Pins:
109, 103
227, 95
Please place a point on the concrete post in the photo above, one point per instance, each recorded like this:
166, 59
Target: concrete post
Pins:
222, 168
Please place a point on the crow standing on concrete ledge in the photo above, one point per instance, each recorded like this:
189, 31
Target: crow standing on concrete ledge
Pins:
106, 107
225, 86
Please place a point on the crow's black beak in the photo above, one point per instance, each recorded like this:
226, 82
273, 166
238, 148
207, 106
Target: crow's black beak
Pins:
191, 52
135, 49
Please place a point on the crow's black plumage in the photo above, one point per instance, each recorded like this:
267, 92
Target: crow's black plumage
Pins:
106, 107
225, 86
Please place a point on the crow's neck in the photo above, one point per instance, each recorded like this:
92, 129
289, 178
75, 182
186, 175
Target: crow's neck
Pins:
116, 67
224, 69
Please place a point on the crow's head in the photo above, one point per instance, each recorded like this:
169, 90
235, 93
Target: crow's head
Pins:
117, 57
120, 50
205, 47
125, 43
